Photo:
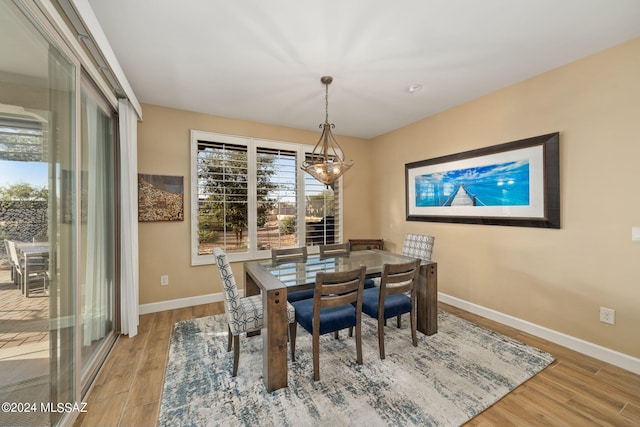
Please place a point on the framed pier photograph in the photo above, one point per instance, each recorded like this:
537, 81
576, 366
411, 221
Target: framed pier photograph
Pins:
513, 184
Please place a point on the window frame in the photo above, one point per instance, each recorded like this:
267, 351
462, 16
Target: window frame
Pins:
252, 145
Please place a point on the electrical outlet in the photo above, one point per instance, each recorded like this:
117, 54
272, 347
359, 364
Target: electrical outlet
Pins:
608, 315
164, 280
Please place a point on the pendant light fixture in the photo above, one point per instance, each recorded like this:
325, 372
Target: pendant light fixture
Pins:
326, 162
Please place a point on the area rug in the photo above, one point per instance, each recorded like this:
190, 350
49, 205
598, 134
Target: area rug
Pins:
445, 381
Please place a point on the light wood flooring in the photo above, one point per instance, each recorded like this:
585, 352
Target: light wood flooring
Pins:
575, 390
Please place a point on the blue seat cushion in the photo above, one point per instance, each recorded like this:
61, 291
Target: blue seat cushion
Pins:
299, 295
394, 305
331, 319
369, 283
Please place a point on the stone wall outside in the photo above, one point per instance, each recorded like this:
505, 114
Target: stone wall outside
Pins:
23, 221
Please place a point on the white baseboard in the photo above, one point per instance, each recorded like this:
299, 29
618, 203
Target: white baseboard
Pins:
621, 360
613, 357
173, 304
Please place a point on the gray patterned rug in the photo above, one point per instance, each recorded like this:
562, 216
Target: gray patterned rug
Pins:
447, 380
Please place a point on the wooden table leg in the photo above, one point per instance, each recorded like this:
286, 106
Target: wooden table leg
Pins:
274, 338
274, 334
428, 299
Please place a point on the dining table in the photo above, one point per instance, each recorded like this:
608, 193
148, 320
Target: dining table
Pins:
273, 280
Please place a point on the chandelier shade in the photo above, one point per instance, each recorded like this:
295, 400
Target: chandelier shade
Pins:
326, 162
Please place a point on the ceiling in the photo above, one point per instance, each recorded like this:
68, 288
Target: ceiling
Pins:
262, 60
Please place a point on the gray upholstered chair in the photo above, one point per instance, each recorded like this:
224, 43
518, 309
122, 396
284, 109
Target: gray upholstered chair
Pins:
244, 314
418, 246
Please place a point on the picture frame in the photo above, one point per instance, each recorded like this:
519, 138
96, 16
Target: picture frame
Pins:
160, 198
512, 184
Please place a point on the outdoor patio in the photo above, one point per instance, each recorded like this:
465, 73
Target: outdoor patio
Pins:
24, 343
23, 321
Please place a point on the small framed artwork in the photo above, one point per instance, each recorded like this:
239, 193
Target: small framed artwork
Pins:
160, 198
513, 184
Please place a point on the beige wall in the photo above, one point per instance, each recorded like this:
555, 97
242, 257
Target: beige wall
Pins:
163, 149
554, 278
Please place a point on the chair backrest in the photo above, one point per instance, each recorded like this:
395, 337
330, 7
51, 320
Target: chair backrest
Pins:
399, 278
229, 286
335, 249
13, 253
366, 244
418, 246
288, 254
338, 288
6, 249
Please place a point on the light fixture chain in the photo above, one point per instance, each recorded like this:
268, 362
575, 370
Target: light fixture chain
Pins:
326, 102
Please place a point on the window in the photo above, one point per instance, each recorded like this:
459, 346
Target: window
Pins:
22, 135
250, 195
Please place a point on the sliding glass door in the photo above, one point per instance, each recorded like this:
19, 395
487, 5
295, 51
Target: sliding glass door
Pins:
38, 181
97, 229
57, 201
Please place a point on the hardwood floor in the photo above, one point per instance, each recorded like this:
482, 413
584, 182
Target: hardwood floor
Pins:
575, 390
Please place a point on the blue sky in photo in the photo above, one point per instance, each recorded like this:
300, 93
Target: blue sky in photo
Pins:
501, 184
171, 184
14, 172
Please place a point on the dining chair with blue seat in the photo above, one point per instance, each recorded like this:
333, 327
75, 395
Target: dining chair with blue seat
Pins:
338, 250
244, 314
335, 249
292, 254
336, 305
391, 299
341, 249
286, 254
419, 246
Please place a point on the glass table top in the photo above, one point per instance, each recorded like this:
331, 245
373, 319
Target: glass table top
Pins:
302, 271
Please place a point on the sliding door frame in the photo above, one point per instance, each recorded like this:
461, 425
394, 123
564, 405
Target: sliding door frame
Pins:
87, 374
48, 19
